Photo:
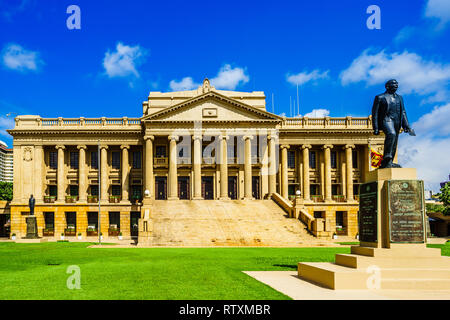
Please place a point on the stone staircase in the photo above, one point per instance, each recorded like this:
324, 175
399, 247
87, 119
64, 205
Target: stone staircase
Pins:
226, 223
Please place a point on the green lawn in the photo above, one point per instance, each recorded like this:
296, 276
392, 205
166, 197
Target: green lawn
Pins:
38, 271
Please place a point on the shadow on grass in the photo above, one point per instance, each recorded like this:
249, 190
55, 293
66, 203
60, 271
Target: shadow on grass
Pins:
291, 266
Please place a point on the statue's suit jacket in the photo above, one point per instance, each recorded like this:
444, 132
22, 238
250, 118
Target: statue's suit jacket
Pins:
380, 110
31, 203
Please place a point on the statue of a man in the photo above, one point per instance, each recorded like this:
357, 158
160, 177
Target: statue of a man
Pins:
389, 115
31, 203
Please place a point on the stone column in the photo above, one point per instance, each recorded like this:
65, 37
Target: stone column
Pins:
149, 178
272, 164
173, 176
126, 173
349, 171
197, 166
61, 175
264, 171
38, 162
284, 171
82, 174
306, 189
248, 167
223, 168
327, 161
104, 173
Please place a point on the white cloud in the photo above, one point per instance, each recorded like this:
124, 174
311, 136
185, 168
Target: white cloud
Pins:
414, 74
318, 113
429, 151
439, 9
9, 9
185, 84
304, 77
404, 34
229, 78
15, 57
124, 61
6, 123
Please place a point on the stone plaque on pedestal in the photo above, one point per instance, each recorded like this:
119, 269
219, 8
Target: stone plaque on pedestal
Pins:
406, 211
368, 212
32, 232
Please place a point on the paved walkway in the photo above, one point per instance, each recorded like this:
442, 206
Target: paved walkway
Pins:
288, 283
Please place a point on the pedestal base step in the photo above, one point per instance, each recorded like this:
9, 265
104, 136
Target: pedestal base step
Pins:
362, 262
333, 276
401, 251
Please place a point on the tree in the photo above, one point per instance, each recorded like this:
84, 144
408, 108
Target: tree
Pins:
6, 191
445, 198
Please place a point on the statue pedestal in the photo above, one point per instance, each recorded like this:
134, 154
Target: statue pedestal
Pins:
32, 231
392, 253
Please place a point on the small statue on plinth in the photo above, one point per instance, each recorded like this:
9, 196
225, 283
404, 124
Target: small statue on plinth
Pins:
389, 115
31, 203
32, 231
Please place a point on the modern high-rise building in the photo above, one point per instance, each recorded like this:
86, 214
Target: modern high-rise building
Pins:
6, 163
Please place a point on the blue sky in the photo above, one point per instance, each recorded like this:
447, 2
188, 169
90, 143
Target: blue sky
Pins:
126, 49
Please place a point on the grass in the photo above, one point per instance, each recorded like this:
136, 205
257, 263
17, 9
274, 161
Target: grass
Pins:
38, 271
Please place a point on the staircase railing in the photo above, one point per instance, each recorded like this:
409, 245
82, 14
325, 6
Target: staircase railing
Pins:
319, 227
286, 205
306, 218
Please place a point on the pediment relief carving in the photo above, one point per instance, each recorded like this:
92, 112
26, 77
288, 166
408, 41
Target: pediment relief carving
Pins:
212, 106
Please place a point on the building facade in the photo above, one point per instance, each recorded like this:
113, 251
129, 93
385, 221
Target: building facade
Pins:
198, 145
6, 163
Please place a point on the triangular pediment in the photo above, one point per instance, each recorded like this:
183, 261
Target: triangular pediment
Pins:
212, 106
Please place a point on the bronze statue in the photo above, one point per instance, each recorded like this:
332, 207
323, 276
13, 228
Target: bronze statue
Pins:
31, 203
389, 115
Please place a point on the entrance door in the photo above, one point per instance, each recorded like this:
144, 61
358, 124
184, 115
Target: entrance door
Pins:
255, 187
134, 224
183, 188
4, 225
232, 188
161, 188
207, 188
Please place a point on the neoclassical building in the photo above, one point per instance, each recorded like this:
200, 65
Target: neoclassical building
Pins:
196, 145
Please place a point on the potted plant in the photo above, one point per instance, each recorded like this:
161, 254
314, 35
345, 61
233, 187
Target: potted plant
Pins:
62, 236
13, 236
120, 236
79, 235
92, 199
335, 236
135, 199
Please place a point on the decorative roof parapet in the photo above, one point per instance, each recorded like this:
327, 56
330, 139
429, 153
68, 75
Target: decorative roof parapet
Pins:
327, 123
29, 122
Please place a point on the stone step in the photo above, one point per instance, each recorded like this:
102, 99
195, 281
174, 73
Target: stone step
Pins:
399, 251
416, 284
334, 276
362, 262
219, 223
